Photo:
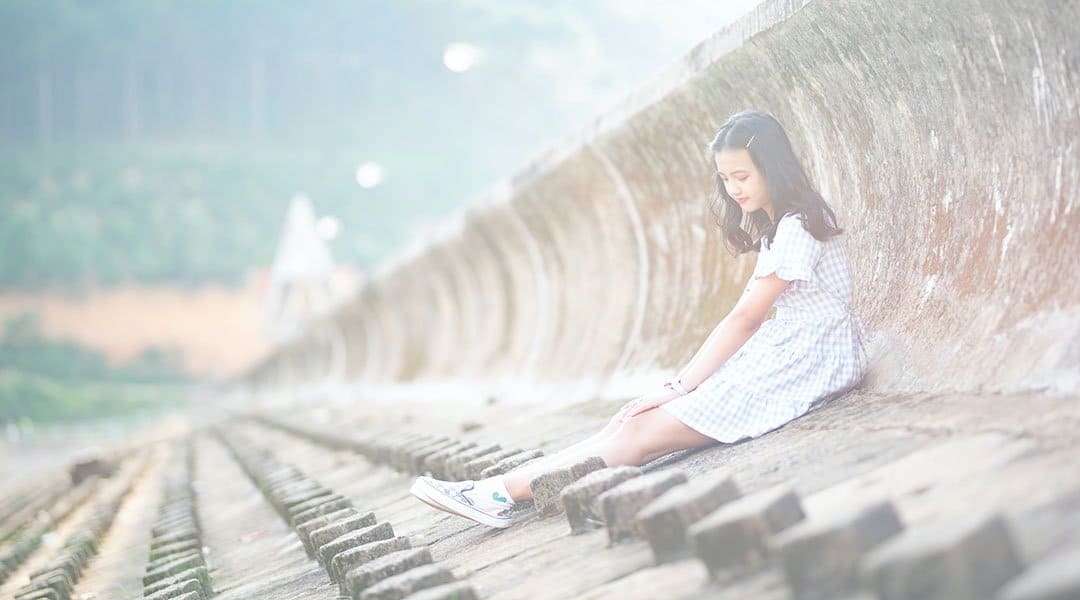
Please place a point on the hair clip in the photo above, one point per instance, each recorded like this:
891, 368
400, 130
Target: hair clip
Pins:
750, 140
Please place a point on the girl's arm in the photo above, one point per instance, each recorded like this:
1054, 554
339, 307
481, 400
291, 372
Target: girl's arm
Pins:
732, 332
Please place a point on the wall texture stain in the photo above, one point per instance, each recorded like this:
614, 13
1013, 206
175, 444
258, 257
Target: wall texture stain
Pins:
945, 135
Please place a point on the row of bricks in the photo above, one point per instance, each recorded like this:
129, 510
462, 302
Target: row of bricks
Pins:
418, 453
176, 568
667, 523
28, 536
57, 578
361, 555
20, 508
864, 546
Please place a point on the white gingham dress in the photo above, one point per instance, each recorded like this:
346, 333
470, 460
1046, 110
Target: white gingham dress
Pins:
810, 352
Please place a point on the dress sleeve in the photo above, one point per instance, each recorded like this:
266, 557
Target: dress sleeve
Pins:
793, 252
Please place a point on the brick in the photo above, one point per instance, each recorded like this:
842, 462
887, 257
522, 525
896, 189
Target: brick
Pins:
338, 528
403, 457
305, 506
579, 498
621, 503
198, 575
156, 564
174, 548
398, 586
360, 578
475, 467
38, 595
190, 588
585, 466
664, 521
326, 552
300, 497
510, 462
455, 465
1056, 577
969, 558
436, 462
171, 537
385, 451
381, 449
322, 509
820, 557
460, 590
173, 567
418, 456
198, 572
735, 538
69, 569
547, 487
303, 530
164, 528
354, 557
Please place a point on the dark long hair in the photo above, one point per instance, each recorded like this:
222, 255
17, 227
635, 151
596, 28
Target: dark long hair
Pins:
790, 190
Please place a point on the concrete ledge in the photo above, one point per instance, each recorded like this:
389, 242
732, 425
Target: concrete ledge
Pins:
401, 585
354, 557
579, 498
621, 504
510, 462
359, 579
352, 539
735, 538
970, 558
820, 557
665, 520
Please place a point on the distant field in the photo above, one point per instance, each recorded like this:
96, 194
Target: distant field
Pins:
217, 329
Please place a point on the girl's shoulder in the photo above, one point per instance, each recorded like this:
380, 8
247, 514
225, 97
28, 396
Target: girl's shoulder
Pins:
791, 228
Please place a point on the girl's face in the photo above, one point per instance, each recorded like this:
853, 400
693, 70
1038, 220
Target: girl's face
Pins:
743, 181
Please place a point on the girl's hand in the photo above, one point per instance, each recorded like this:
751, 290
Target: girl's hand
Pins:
647, 402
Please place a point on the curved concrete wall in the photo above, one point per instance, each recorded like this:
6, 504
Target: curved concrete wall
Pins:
943, 134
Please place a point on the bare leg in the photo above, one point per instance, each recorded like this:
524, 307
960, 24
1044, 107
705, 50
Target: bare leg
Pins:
640, 439
571, 454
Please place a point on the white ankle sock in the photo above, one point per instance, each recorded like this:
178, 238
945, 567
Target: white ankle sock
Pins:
494, 489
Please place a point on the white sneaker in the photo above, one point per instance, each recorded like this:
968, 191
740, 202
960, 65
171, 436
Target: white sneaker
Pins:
460, 498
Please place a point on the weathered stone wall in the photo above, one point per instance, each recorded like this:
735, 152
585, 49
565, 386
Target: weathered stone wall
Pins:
943, 134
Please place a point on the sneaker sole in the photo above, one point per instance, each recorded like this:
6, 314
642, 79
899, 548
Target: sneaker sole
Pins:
437, 499
418, 490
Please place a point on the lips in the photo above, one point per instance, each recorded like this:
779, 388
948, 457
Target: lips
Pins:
741, 200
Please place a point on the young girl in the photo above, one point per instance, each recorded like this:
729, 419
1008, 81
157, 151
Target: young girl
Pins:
751, 375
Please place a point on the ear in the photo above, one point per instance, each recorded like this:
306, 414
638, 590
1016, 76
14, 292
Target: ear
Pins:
759, 298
